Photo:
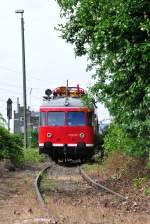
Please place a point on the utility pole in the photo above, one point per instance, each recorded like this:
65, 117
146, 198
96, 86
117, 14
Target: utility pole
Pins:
20, 11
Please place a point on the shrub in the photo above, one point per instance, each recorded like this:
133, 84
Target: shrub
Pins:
10, 146
116, 139
31, 155
34, 138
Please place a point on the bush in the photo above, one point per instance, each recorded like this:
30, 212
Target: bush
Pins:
31, 155
34, 138
10, 146
118, 140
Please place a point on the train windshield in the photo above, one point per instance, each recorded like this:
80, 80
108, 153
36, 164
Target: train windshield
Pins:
42, 118
56, 118
75, 118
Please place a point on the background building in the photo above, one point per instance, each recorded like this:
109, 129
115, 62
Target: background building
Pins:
32, 119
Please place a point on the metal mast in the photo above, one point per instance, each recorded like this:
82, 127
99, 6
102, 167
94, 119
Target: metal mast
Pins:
24, 77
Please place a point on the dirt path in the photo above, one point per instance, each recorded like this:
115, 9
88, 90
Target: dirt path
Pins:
17, 197
70, 200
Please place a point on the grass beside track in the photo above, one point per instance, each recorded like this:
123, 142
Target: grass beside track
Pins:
31, 155
90, 168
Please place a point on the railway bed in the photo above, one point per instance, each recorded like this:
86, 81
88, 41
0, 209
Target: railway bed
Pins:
68, 178
69, 197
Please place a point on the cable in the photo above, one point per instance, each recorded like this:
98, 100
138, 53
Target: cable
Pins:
3, 89
12, 85
11, 70
8, 69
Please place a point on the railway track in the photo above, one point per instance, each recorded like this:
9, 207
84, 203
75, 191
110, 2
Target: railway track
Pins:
99, 186
81, 172
37, 182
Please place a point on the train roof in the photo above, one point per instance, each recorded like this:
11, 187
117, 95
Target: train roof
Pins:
63, 102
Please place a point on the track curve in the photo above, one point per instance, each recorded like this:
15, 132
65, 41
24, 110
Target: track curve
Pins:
37, 185
86, 177
99, 186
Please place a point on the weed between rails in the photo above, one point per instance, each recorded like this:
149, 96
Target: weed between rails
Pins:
47, 184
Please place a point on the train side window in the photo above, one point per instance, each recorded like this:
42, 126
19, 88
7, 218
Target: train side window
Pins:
42, 118
89, 118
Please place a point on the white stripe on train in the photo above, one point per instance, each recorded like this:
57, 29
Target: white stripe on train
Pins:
70, 145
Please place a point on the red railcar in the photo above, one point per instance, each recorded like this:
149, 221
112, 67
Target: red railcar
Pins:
67, 127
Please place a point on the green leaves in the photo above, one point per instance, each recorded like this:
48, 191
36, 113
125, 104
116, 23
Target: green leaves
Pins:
116, 139
115, 36
10, 146
67, 5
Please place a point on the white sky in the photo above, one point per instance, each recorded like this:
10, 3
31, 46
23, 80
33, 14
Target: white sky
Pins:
49, 60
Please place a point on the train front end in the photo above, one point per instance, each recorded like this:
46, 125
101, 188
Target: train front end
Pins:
66, 129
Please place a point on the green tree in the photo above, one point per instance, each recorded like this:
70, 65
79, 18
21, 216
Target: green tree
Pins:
115, 35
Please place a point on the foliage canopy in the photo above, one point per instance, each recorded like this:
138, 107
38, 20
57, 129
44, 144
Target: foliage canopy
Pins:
115, 35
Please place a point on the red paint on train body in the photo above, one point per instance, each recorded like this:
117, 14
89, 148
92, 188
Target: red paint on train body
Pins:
67, 127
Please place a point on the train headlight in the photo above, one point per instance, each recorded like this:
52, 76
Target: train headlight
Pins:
82, 135
49, 135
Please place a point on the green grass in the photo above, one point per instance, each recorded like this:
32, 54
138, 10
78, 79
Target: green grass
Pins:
47, 184
147, 191
139, 181
31, 155
92, 167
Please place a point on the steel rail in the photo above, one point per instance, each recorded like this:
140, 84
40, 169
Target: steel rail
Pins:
37, 185
93, 183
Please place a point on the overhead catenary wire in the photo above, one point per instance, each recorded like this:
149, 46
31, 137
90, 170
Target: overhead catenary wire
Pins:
19, 72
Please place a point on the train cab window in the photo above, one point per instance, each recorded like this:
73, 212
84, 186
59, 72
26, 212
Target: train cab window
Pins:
89, 118
42, 118
56, 118
75, 118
